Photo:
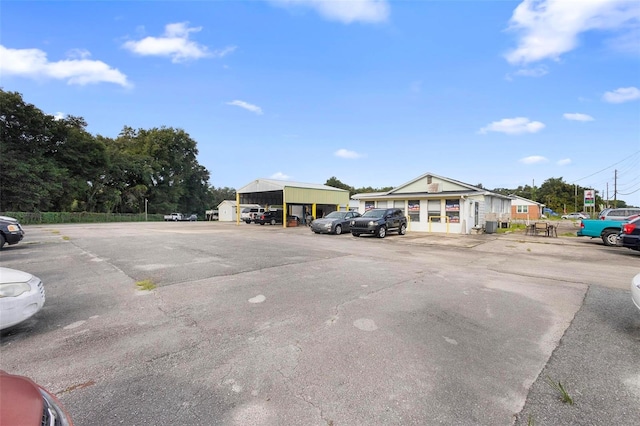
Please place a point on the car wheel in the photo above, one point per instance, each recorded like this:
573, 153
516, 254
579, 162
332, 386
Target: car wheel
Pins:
403, 229
355, 234
247, 222
273, 221
261, 223
2, 241
609, 238
382, 232
338, 229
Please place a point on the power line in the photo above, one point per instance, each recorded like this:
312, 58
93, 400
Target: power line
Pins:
607, 168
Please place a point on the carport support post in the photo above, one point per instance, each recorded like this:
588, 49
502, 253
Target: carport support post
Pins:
313, 210
237, 208
284, 214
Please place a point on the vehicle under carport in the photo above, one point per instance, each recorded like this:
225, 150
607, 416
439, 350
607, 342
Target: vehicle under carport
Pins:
295, 198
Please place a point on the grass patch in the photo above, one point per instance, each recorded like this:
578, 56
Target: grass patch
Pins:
564, 395
66, 238
145, 285
55, 231
568, 234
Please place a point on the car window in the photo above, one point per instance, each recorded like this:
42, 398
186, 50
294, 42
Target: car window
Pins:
376, 213
336, 215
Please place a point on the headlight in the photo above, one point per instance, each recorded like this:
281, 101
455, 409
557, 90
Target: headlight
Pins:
372, 223
353, 222
328, 226
13, 289
13, 228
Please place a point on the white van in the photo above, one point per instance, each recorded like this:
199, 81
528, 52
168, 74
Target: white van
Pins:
248, 214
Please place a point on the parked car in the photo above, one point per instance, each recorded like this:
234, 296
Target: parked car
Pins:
271, 217
629, 236
25, 403
249, 214
574, 216
173, 217
21, 296
334, 223
635, 291
10, 231
618, 214
379, 222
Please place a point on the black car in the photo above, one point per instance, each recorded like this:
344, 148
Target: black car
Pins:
334, 223
379, 222
630, 235
272, 217
10, 231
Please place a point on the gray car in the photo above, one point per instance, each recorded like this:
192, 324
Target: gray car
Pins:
334, 223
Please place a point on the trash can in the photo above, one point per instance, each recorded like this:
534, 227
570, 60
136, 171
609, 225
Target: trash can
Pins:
490, 227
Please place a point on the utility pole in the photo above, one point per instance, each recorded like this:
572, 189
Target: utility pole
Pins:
607, 205
615, 189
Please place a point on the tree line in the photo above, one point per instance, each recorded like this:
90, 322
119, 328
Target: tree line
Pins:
54, 164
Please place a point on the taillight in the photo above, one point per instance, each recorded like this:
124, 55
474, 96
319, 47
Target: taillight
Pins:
628, 228
581, 224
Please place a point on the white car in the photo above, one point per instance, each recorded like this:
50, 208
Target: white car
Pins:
635, 290
21, 296
575, 216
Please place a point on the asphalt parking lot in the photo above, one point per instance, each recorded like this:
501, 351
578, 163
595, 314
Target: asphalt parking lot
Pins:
260, 325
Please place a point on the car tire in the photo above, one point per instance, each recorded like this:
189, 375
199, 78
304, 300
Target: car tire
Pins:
338, 230
2, 241
355, 234
261, 223
403, 229
382, 232
273, 221
609, 238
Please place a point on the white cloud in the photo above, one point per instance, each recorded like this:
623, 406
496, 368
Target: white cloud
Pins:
533, 72
513, 126
564, 162
58, 116
534, 159
33, 63
175, 43
247, 106
280, 176
549, 28
623, 94
576, 116
370, 11
345, 153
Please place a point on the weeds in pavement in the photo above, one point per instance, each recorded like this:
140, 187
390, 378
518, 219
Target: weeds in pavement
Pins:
564, 395
145, 285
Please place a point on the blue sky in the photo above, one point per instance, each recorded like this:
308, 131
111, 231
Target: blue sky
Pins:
374, 92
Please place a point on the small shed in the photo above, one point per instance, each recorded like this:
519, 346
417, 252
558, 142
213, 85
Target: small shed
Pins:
227, 210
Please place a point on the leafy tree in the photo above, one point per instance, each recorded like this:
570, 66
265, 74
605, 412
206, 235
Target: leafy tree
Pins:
218, 195
336, 183
30, 178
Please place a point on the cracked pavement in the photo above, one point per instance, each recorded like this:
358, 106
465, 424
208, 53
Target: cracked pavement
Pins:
260, 325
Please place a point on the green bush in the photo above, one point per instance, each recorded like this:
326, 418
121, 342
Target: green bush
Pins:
42, 218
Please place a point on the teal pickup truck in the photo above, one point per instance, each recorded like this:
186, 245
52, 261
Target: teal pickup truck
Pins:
608, 230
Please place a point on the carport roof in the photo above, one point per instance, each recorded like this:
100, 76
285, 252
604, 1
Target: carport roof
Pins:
264, 185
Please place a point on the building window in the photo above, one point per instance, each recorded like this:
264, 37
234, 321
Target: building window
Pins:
368, 205
452, 209
433, 211
522, 209
399, 205
414, 210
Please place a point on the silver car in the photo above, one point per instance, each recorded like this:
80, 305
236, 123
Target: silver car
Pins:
334, 223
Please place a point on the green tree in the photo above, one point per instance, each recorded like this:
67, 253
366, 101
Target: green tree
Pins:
30, 178
218, 195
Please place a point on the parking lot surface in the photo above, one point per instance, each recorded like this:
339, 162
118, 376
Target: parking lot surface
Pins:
260, 325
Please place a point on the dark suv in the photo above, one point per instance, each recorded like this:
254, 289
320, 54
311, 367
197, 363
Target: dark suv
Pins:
272, 217
379, 222
10, 231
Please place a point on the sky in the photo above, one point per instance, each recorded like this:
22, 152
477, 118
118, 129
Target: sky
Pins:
373, 92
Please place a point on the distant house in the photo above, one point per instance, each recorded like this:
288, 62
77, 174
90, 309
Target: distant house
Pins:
523, 208
439, 204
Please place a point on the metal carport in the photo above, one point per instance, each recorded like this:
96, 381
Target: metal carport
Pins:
271, 192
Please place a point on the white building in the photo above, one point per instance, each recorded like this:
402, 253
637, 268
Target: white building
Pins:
227, 210
438, 204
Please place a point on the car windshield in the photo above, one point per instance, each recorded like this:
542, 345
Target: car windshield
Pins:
374, 213
336, 215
